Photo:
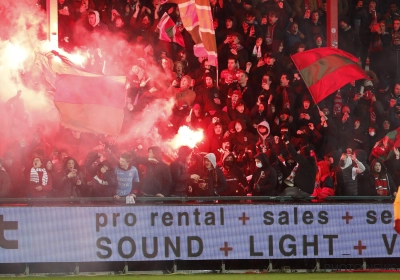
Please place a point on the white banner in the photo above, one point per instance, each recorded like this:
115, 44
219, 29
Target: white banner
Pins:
196, 232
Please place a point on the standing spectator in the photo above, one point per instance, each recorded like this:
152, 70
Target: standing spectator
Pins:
293, 36
235, 178
286, 99
368, 18
127, 175
314, 29
157, 181
16, 173
180, 173
233, 46
302, 7
304, 179
380, 42
324, 184
274, 32
264, 140
5, 182
350, 167
384, 183
71, 180
212, 180
394, 59
105, 181
348, 37
39, 180
264, 179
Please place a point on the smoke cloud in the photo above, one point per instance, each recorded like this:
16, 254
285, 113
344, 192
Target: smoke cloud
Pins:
23, 34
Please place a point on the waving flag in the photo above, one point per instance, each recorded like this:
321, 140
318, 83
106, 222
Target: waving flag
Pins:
197, 20
383, 149
53, 63
91, 104
168, 31
325, 70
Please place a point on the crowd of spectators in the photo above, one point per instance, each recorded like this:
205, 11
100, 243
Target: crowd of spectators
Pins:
263, 134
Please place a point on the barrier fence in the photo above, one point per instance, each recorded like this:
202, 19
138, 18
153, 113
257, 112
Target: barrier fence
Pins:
274, 229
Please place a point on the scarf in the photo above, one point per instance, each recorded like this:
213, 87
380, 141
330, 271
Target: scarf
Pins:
257, 51
381, 185
101, 182
236, 47
372, 115
34, 176
337, 103
286, 101
270, 34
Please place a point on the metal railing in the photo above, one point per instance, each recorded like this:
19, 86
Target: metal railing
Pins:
194, 199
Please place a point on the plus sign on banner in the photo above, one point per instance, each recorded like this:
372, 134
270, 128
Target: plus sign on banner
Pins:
196, 232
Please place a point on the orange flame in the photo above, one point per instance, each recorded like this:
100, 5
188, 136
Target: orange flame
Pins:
187, 137
15, 56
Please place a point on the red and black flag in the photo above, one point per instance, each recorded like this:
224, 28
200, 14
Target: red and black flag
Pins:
383, 148
325, 70
91, 104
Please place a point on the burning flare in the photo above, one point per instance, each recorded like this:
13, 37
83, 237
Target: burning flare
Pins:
187, 137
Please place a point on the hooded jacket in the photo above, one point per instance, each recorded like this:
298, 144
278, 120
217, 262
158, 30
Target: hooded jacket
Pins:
213, 178
235, 178
243, 138
264, 140
264, 180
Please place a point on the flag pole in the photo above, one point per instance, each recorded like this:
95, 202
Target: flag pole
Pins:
312, 96
217, 77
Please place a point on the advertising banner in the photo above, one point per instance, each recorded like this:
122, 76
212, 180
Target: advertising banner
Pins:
196, 232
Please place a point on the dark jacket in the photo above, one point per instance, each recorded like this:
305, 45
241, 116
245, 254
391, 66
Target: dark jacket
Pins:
384, 176
104, 184
264, 179
158, 176
235, 178
214, 179
69, 187
180, 177
306, 172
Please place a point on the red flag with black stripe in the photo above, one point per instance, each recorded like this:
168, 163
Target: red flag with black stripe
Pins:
325, 70
91, 104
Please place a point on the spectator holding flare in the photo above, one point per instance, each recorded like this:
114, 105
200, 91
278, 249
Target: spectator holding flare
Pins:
180, 172
212, 180
157, 181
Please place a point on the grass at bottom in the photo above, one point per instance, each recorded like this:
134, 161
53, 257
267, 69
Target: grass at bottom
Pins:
267, 276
